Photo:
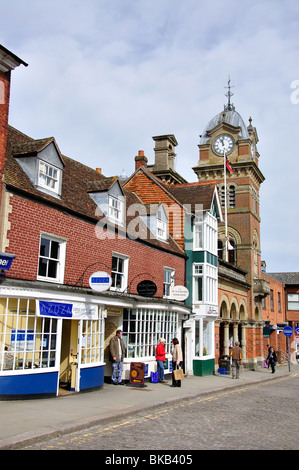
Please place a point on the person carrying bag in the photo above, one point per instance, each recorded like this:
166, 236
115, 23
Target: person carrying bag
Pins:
177, 363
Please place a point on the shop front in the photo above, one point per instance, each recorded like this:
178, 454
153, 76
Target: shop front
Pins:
51, 341
143, 322
200, 333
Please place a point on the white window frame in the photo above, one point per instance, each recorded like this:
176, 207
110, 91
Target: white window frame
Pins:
60, 260
168, 281
208, 275
161, 226
123, 273
45, 175
293, 301
144, 327
206, 234
115, 209
33, 342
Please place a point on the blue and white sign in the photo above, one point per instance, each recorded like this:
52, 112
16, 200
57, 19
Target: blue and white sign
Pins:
288, 331
100, 281
6, 261
70, 310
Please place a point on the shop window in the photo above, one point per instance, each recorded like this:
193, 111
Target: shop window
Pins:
203, 339
92, 341
142, 329
51, 259
26, 341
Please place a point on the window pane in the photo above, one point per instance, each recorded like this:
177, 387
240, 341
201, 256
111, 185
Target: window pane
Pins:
44, 247
52, 269
42, 268
54, 250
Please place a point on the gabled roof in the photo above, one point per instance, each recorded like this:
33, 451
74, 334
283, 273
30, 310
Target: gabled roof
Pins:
77, 182
186, 193
33, 147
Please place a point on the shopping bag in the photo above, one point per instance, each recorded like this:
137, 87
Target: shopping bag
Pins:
265, 364
154, 377
178, 374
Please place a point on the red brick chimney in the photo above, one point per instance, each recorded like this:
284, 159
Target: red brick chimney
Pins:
140, 160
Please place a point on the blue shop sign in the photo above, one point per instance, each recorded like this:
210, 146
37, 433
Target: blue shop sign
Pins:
6, 261
70, 310
55, 309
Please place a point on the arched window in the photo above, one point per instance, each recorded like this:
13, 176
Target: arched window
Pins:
232, 197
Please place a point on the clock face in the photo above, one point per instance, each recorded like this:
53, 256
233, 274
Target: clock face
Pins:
223, 143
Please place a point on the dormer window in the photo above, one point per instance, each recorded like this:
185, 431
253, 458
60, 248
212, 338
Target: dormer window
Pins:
41, 161
161, 225
115, 212
110, 199
48, 176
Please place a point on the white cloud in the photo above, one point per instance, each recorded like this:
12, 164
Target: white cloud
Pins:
106, 76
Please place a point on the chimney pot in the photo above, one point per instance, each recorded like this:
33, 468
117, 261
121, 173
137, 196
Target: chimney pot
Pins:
140, 160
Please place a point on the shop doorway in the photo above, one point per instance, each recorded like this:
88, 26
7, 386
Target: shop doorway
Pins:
69, 364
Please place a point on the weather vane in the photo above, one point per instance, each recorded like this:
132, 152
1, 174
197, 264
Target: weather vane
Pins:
229, 94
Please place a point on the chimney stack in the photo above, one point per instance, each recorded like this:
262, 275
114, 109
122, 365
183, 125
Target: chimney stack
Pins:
140, 160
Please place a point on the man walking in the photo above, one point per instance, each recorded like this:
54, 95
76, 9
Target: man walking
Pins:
117, 351
236, 353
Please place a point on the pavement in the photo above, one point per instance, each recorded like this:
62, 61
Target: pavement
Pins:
26, 422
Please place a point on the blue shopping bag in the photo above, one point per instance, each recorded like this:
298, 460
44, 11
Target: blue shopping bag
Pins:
154, 377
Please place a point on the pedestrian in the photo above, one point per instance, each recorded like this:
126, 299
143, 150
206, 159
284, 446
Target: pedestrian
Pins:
236, 355
160, 357
272, 359
117, 351
177, 361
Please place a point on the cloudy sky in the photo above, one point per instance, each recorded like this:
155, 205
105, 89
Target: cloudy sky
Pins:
104, 76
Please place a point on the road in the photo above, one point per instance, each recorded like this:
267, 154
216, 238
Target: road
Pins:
262, 416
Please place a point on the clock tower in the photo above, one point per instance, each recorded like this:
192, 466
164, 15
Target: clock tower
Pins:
227, 132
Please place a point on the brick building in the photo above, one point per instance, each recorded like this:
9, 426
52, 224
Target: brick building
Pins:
193, 211
287, 298
63, 222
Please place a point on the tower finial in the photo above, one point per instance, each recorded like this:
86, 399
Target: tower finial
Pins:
229, 94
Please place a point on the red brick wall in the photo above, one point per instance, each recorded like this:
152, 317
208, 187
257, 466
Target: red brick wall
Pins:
28, 219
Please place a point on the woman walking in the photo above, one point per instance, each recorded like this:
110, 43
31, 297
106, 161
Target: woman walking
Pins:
272, 359
177, 361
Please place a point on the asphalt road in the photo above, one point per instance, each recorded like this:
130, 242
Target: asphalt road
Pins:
262, 416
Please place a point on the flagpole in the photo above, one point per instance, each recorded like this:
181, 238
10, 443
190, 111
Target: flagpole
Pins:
225, 208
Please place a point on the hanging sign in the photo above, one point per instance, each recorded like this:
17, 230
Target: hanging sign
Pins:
100, 281
147, 288
179, 293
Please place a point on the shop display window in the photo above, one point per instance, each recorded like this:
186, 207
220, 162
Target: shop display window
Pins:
142, 329
92, 341
26, 341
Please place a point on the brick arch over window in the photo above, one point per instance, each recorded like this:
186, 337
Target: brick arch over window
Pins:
234, 239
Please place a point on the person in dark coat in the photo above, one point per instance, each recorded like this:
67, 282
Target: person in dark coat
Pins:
272, 359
